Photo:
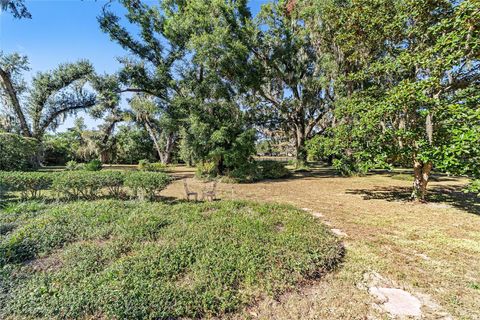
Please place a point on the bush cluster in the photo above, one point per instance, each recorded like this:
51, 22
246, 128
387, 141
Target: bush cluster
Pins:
206, 170
88, 184
270, 169
259, 170
145, 165
94, 165
474, 187
17, 152
145, 185
28, 184
85, 184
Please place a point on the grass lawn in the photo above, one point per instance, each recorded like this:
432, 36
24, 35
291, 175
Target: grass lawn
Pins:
113, 259
140, 260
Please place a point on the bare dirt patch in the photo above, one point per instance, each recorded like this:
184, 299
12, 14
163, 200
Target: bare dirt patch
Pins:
48, 263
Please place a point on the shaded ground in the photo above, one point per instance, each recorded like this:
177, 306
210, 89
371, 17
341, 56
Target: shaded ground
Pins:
432, 249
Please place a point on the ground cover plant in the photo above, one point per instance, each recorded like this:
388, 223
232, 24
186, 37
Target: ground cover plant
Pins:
142, 260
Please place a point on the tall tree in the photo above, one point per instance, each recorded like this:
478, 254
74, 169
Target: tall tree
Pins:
16, 7
149, 71
414, 100
51, 97
216, 128
158, 122
269, 61
295, 82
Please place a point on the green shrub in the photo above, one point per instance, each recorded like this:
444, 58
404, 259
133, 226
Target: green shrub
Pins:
77, 184
156, 167
88, 185
80, 184
81, 166
206, 170
474, 187
29, 184
248, 172
146, 185
318, 148
71, 165
259, 170
142, 164
94, 165
347, 167
145, 165
272, 169
17, 153
113, 181
242, 150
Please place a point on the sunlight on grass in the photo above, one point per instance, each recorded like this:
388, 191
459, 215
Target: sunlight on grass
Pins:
154, 260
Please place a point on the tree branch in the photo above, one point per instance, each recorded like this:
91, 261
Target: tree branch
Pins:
7, 83
48, 121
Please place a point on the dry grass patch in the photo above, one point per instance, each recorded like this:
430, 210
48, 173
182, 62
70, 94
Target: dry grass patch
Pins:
430, 248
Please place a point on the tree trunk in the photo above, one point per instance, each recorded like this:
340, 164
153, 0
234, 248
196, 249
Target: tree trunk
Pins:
104, 156
166, 155
154, 139
300, 150
8, 86
221, 167
421, 175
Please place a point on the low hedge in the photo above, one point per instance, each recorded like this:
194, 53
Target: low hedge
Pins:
85, 184
146, 184
88, 184
28, 184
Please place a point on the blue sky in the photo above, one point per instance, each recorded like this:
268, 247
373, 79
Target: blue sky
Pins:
65, 31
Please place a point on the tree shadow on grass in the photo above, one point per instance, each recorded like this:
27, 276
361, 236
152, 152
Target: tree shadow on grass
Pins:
11, 200
452, 195
305, 175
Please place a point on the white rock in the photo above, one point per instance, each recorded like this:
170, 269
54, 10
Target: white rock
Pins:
423, 256
339, 232
317, 214
397, 302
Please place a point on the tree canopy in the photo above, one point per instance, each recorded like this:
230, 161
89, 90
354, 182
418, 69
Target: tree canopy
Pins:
16, 7
414, 99
363, 84
51, 97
